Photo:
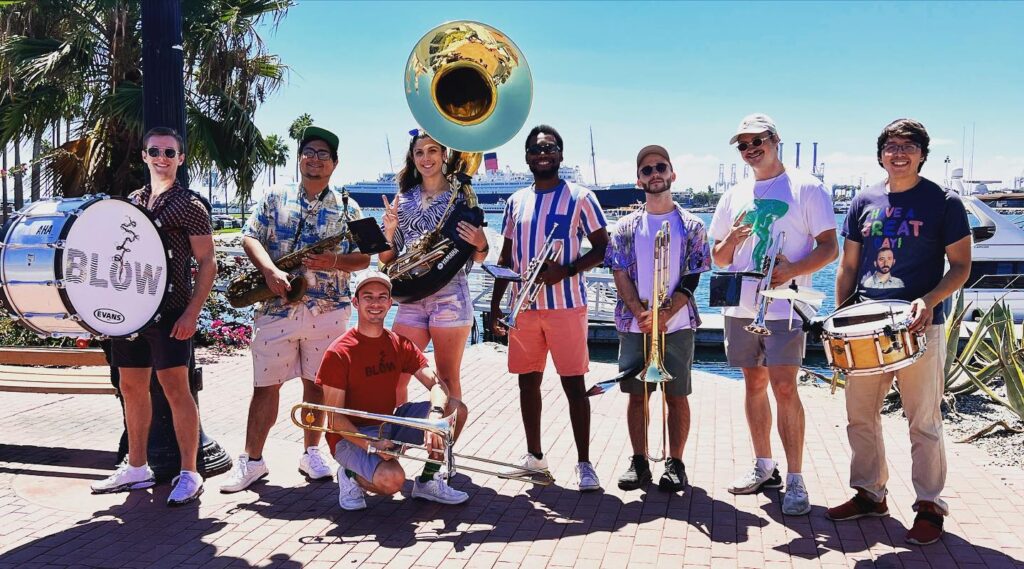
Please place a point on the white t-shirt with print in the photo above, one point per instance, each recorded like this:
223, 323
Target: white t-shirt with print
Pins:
795, 203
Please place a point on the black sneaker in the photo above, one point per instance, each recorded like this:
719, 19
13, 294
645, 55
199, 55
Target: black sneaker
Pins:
638, 475
674, 479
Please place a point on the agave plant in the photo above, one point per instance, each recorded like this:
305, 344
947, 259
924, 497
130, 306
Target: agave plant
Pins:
994, 352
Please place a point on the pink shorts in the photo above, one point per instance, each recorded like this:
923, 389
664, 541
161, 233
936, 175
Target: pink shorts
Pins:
561, 332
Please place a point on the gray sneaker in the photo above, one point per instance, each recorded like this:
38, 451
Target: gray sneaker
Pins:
188, 487
755, 480
796, 502
244, 474
351, 496
586, 477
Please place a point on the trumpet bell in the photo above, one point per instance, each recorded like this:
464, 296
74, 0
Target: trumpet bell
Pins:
468, 85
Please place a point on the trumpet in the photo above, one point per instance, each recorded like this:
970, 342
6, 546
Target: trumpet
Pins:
758, 326
655, 341
531, 286
303, 417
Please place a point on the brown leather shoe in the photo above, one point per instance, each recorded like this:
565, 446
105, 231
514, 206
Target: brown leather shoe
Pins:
927, 525
857, 507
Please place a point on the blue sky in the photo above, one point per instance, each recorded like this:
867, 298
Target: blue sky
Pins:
682, 75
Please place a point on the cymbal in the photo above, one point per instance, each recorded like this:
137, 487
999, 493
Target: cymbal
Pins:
803, 294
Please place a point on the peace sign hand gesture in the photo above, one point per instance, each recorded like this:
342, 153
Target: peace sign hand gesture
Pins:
390, 219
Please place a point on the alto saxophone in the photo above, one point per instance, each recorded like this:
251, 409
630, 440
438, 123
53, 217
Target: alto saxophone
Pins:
251, 287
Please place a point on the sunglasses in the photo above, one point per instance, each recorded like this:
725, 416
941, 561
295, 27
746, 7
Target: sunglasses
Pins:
743, 146
154, 152
318, 154
535, 149
660, 167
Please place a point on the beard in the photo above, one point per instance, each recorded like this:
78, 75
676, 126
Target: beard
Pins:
647, 188
884, 270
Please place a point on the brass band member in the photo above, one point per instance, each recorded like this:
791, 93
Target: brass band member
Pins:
631, 257
910, 227
289, 340
747, 223
446, 316
557, 321
167, 344
360, 371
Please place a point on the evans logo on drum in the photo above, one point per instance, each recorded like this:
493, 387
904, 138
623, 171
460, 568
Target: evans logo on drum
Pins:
108, 315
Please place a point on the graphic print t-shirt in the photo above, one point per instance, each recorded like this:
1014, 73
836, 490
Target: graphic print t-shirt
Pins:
903, 237
368, 370
795, 203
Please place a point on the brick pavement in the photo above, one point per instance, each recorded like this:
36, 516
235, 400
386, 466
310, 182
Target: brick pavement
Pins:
52, 447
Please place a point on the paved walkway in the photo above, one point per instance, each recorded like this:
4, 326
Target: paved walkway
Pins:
52, 447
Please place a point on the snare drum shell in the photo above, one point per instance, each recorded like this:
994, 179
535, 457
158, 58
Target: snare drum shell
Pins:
867, 350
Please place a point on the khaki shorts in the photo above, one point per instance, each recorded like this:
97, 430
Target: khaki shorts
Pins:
784, 347
285, 348
562, 332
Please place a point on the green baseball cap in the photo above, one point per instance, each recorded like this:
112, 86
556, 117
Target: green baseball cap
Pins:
317, 133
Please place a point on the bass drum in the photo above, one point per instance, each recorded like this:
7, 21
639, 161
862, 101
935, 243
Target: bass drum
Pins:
419, 284
91, 266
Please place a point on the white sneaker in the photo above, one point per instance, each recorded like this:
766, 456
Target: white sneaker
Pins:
313, 466
526, 463
755, 480
351, 496
244, 473
586, 478
125, 478
438, 490
188, 486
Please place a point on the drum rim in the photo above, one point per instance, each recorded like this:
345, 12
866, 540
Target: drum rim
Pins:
830, 317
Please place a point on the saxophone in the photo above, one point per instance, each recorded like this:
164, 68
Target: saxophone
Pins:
251, 287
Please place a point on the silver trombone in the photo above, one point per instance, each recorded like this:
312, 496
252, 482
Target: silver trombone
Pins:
655, 341
531, 286
767, 268
303, 417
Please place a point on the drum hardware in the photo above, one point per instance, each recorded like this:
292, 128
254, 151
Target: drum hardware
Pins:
57, 245
531, 285
302, 416
767, 267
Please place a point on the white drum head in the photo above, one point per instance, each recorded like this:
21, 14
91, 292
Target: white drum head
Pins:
868, 317
114, 268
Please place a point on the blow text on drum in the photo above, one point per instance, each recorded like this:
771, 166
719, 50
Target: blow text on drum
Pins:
82, 267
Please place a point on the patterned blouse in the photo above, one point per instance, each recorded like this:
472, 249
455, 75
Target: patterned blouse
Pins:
415, 221
180, 215
694, 257
275, 223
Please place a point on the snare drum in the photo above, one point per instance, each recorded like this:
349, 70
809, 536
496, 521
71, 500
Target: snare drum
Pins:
872, 337
90, 266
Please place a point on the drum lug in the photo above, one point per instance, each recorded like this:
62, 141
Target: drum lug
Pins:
878, 350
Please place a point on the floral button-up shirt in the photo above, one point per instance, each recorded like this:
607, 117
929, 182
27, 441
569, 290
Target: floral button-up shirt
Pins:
694, 257
275, 222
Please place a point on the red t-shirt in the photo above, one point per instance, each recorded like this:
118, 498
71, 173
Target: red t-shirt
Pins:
368, 370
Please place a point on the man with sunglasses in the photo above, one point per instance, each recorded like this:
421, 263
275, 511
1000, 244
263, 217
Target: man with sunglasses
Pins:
290, 338
631, 256
918, 226
556, 322
167, 344
748, 223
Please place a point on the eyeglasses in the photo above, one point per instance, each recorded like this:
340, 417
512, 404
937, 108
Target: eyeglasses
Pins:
310, 154
743, 146
535, 149
905, 148
153, 152
661, 167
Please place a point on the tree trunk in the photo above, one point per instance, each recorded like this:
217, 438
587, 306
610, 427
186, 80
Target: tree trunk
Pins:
3, 180
19, 190
36, 180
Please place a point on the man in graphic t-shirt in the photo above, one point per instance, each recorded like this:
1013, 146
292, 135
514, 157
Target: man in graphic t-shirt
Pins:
749, 222
360, 371
923, 227
882, 276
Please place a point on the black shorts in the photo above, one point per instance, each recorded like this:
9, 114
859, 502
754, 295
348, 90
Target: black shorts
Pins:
154, 347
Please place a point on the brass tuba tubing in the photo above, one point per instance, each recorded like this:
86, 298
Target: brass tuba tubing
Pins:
445, 427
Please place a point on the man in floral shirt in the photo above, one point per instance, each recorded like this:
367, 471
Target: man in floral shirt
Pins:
290, 339
631, 257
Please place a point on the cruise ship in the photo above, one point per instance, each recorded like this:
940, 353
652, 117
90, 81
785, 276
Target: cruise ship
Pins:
494, 186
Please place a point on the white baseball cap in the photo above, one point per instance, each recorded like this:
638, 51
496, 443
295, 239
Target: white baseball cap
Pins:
372, 276
754, 124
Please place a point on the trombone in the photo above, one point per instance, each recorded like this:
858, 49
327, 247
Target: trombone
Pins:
302, 416
767, 267
655, 341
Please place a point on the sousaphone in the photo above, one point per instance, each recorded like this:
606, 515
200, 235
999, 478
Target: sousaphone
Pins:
469, 87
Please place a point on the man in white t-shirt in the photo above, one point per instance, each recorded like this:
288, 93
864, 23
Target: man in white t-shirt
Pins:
631, 257
748, 223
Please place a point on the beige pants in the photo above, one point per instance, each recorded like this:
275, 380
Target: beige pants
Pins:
921, 386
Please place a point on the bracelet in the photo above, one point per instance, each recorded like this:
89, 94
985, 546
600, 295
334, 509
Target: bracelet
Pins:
487, 247
438, 410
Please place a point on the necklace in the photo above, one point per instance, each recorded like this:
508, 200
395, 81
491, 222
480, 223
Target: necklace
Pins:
767, 189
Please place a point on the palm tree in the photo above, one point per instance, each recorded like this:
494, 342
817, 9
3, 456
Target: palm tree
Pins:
85, 64
279, 154
295, 133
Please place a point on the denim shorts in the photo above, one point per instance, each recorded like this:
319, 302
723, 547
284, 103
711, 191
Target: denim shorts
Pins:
354, 458
450, 307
